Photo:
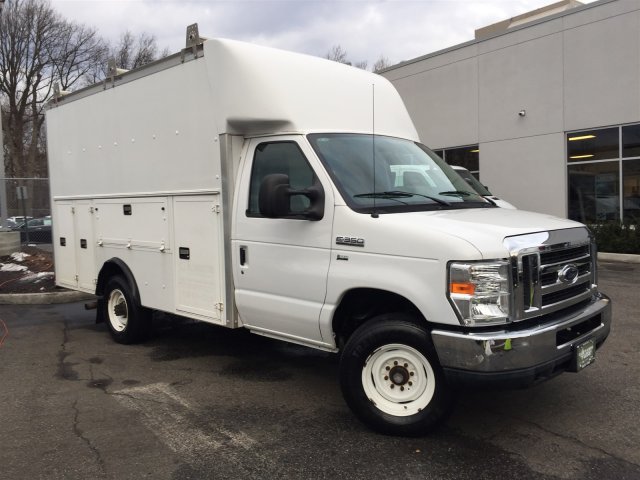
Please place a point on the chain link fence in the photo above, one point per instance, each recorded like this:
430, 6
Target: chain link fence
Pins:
25, 206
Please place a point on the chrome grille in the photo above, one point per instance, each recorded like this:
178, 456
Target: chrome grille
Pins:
551, 271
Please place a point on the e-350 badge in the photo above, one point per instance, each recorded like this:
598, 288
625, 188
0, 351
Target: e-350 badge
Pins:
351, 241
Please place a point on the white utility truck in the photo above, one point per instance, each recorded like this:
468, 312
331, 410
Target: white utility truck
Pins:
255, 188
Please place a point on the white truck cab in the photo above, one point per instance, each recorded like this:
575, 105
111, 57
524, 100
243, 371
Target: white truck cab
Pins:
253, 188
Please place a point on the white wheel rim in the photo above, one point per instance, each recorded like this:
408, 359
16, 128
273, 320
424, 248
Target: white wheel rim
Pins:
398, 379
118, 310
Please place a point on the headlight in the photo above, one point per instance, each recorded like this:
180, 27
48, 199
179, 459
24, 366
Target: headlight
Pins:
480, 292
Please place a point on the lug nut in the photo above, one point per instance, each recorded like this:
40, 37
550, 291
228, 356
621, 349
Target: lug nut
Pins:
392, 385
395, 363
411, 373
388, 368
410, 384
386, 377
406, 365
402, 389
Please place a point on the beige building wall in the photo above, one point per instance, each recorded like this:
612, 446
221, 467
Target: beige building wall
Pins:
578, 69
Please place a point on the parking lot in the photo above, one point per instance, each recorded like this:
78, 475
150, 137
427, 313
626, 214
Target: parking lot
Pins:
197, 401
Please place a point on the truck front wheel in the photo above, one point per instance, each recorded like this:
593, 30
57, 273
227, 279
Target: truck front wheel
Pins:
391, 378
128, 321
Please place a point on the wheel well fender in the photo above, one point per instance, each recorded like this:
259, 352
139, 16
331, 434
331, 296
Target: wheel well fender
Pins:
116, 266
359, 305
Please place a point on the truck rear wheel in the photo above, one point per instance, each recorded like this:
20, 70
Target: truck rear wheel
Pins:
128, 321
391, 378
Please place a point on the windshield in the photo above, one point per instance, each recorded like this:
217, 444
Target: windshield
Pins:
407, 175
473, 181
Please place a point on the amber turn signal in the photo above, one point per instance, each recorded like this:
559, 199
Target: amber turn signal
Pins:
463, 288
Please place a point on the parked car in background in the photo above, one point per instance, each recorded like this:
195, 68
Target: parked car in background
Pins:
18, 220
7, 224
480, 188
38, 230
413, 178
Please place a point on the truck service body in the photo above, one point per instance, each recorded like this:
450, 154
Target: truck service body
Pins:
235, 184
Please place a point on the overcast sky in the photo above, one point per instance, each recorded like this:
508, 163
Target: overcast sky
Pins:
398, 29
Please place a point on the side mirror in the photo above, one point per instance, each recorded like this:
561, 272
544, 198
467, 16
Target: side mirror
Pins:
274, 199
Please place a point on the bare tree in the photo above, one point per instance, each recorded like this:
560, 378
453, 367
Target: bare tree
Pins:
361, 65
381, 64
339, 54
132, 52
37, 49
79, 51
129, 53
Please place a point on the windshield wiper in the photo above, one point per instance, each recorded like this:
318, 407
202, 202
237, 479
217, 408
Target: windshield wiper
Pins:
386, 195
393, 194
462, 193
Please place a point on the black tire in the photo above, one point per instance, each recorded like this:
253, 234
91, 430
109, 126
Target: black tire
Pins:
128, 321
391, 378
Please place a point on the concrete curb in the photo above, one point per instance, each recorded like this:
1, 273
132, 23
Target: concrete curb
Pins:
618, 257
68, 296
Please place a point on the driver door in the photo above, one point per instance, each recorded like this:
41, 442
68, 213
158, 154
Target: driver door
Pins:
281, 264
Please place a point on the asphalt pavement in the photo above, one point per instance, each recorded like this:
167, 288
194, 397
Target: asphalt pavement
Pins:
198, 401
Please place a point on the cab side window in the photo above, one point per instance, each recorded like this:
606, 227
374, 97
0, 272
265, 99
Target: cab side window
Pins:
280, 157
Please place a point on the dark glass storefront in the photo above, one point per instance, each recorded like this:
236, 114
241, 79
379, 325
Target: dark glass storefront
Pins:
604, 174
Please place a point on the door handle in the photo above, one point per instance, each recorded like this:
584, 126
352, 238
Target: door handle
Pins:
243, 256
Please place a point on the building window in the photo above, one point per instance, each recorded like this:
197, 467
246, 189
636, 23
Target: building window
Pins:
593, 192
631, 190
590, 145
604, 174
631, 141
467, 157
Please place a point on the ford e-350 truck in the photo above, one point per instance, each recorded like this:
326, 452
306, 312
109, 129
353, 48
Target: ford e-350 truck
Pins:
254, 188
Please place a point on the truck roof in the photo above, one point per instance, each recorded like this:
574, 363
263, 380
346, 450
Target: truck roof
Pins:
256, 90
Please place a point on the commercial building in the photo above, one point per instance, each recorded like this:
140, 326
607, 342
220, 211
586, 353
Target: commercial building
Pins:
544, 107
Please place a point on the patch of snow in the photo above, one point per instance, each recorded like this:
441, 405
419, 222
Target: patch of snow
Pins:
36, 277
19, 256
12, 267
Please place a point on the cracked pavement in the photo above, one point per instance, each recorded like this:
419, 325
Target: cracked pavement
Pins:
198, 401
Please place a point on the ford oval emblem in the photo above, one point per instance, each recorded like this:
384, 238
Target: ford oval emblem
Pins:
568, 274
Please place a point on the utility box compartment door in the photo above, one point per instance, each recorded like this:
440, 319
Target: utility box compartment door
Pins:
64, 245
85, 245
199, 256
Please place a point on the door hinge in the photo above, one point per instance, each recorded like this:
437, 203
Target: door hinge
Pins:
216, 209
90, 209
73, 209
220, 306
76, 278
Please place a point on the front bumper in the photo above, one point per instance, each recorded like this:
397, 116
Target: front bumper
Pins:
517, 356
